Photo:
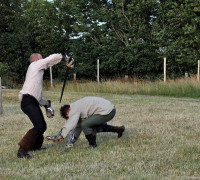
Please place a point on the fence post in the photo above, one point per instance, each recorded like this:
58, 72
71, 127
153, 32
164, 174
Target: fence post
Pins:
198, 71
74, 76
126, 78
98, 70
51, 77
165, 69
1, 107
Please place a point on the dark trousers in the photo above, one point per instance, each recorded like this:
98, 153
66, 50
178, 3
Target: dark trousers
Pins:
31, 108
96, 120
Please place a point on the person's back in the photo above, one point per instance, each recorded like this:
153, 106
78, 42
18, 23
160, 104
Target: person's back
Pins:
34, 81
92, 105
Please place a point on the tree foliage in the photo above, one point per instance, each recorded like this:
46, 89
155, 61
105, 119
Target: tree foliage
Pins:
128, 37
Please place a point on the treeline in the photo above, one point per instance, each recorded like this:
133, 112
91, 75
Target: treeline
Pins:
129, 37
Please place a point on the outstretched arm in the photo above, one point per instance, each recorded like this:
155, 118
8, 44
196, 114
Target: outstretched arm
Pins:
50, 61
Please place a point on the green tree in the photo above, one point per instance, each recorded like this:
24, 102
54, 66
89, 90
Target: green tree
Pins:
50, 25
178, 35
119, 33
13, 37
129, 37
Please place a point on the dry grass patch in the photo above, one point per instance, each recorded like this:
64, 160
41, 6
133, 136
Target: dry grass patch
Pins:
161, 141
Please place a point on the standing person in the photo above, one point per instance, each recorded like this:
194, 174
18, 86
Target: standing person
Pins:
31, 99
89, 114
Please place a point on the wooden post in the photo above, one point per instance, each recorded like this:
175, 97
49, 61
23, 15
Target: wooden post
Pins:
126, 77
51, 77
1, 107
74, 76
98, 70
198, 70
165, 69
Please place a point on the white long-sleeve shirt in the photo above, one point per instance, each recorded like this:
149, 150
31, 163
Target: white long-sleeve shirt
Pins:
83, 109
33, 84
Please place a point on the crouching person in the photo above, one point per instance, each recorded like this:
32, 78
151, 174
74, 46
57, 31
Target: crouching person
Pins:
90, 115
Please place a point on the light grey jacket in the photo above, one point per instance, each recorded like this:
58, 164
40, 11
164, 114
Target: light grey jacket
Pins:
83, 109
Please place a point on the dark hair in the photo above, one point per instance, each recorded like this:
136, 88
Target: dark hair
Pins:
63, 110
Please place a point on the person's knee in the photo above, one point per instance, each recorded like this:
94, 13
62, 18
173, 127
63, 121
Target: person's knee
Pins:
44, 128
83, 125
41, 129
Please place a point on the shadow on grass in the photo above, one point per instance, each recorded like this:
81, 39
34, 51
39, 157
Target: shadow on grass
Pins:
102, 139
105, 137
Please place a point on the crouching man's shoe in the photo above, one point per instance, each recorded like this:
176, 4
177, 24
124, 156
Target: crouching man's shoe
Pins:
109, 128
57, 138
120, 131
92, 140
23, 154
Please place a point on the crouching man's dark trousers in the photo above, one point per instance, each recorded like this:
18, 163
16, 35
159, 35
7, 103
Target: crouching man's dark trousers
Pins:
96, 120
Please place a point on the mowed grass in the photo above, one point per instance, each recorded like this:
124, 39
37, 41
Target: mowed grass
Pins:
161, 141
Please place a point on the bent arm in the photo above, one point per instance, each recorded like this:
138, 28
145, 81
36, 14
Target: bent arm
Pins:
50, 61
77, 130
70, 125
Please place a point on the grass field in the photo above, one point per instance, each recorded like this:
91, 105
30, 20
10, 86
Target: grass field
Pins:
161, 141
183, 87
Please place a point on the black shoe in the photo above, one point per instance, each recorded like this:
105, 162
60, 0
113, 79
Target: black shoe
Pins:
120, 131
109, 128
93, 146
23, 154
92, 140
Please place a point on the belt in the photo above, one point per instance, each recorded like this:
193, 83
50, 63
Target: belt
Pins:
24, 95
28, 95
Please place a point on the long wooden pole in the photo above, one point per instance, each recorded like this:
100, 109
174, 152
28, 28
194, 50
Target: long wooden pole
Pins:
198, 70
98, 70
165, 60
1, 108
